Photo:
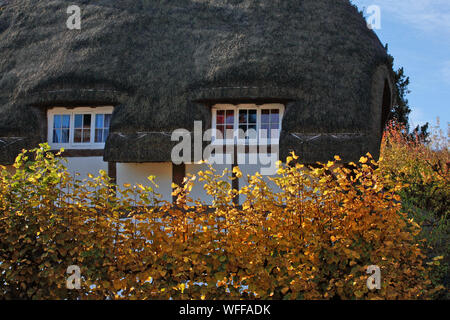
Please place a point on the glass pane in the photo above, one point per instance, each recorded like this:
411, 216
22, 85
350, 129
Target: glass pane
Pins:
99, 121
230, 116
107, 120
242, 131
252, 116
87, 121
86, 136
98, 135
65, 136
78, 121
242, 116
275, 133
105, 134
220, 132
275, 116
251, 133
56, 136
265, 116
265, 130
220, 119
274, 125
66, 121
57, 121
77, 135
229, 132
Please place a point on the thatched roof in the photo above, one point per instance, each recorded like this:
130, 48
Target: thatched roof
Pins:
163, 63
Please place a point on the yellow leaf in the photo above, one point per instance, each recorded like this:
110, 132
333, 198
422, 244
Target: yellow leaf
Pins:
117, 285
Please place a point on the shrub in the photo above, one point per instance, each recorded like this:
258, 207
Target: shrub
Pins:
312, 239
423, 167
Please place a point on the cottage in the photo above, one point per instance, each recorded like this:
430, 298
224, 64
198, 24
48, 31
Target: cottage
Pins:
112, 93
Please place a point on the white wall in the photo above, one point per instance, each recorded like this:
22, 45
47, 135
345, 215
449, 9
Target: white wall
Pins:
85, 165
251, 169
197, 191
137, 173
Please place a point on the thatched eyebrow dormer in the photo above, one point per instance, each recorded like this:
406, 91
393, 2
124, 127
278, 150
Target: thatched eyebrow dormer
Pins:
163, 64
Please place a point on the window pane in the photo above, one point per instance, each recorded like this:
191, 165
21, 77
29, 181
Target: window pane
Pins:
107, 120
66, 121
65, 136
86, 136
265, 130
221, 131
275, 116
105, 134
252, 116
98, 135
229, 132
220, 119
78, 121
77, 136
87, 121
57, 121
242, 131
275, 133
56, 136
230, 117
99, 120
265, 116
242, 116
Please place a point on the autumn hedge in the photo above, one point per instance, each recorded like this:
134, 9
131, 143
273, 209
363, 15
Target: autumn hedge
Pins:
312, 239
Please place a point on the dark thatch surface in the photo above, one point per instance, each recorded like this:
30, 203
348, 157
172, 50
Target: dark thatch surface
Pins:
163, 63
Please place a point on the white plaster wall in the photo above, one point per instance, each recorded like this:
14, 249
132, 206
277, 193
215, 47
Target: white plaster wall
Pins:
250, 168
197, 191
137, 173
85, 165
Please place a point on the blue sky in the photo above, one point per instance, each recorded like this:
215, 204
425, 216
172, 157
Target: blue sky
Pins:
418, 35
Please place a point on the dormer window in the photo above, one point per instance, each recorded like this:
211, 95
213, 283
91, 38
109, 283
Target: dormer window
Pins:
79, 128
247, 123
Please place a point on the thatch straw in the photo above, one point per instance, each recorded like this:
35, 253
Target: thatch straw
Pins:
163, 63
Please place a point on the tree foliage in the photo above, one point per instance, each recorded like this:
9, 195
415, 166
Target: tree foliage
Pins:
423, 168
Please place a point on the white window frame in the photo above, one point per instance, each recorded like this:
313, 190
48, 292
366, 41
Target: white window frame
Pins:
236, 108
72, 112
